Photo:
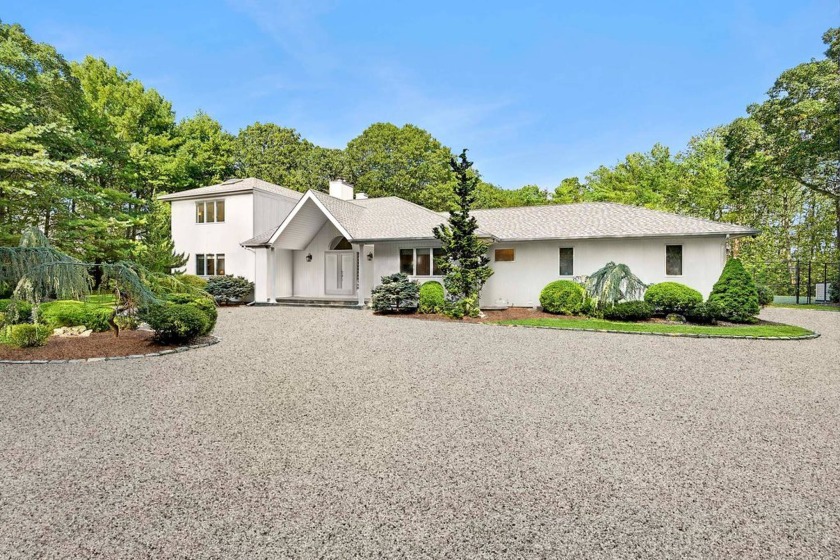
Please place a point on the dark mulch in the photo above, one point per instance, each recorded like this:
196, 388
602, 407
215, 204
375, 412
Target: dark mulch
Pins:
97, 345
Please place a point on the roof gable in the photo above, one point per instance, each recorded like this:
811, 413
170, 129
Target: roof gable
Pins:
234, 186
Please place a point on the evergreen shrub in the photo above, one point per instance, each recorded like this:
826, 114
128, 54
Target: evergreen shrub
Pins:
629, 311
431, 297
396, 294
736, 294
672, 297
563, 297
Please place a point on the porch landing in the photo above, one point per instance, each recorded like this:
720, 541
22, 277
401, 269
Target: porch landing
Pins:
322, 301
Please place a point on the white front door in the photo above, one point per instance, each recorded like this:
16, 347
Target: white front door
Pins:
340, 273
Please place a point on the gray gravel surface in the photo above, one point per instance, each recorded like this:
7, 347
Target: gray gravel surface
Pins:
334, 433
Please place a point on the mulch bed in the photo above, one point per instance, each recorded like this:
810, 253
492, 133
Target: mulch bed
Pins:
97, 345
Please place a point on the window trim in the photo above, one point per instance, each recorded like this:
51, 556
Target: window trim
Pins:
682, 255
573, 262
215, 202
215, 264
414, 261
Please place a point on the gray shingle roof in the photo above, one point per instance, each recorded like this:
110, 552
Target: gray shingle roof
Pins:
234, 186
595, 219
392, 218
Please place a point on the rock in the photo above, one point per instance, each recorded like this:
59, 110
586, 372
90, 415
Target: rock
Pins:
79, 330
675, 318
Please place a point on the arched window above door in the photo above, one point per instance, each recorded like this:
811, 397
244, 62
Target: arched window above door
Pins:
340, 243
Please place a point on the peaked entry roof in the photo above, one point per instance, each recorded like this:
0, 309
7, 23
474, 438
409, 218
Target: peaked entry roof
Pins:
393, 219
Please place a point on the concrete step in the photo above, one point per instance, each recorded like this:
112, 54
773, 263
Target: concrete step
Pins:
316, 303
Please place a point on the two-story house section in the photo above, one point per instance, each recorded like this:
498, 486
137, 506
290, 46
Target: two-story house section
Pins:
209, 223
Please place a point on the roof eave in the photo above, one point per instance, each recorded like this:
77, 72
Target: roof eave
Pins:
730, 234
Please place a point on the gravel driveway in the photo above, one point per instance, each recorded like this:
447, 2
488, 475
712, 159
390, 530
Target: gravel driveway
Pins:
321, 432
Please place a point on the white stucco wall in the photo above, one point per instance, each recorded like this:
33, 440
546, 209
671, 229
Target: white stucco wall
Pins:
193, 238
537, 263
269, 210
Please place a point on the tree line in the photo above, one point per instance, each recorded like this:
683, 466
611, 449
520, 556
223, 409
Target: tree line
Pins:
85, 149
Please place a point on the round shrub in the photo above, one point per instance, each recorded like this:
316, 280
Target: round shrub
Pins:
204, 303
703, 313
192, 281
765, 295
629, 311
16, 310
229, 289
27, 335
176, 322
735, 293
431, 297
563, 297
69, 313
672, 297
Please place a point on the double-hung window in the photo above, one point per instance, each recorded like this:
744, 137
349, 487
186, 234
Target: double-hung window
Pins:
673, 260
210, 211
209, 264
420, 261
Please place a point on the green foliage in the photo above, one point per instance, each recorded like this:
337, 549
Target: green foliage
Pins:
672, 297
431, 297
765, 295
71, 313
563, 297
735, 293
176, 323
229, 289
193, 281
465, 261
26, 335
703, 313
629, 311
396, 294
834, 290
204, 303
16, 311
613, 283
127, 322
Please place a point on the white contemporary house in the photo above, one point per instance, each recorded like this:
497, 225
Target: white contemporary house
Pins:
337, 246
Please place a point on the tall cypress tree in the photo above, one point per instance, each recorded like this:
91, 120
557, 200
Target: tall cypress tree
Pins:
465, 260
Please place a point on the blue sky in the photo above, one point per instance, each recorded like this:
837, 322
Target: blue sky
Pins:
537, 91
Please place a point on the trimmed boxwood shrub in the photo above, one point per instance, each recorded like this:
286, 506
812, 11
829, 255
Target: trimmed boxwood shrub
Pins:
672, 297
205, 304
23, 308
229, 289
396, 294
629, 311
431, 297
26, 335
176, 322
563, 297
192, 281
735, 293
703, 313
70, 313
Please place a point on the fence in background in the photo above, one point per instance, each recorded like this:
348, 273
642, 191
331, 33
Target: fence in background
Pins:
800, 280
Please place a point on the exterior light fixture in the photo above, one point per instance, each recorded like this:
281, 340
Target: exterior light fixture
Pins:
309, 257
370, 256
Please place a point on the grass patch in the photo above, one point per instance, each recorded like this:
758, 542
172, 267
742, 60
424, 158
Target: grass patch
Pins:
101, 299
814, 306
765, 329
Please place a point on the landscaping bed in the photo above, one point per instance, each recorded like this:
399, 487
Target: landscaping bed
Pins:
97, 345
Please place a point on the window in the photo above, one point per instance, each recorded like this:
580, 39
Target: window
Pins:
421, 261
210, 265
210, 211
503, 255
673, 260
567, 261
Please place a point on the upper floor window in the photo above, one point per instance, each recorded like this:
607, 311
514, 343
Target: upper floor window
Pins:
567, 261
420, 262
673, 260
209, 211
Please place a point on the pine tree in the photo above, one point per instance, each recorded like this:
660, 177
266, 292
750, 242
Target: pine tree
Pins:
735, 293
465, 261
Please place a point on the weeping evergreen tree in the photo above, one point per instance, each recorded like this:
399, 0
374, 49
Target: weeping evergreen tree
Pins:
38, 271
464, 262
614, 283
